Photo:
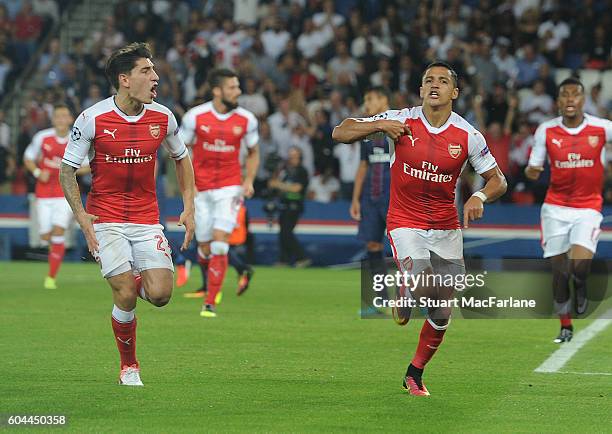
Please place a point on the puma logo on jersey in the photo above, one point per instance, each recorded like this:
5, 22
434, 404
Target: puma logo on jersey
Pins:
205, 128
112, 133
413, 139
557, 142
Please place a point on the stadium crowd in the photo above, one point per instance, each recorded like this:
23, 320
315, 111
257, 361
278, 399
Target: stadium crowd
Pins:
304, 65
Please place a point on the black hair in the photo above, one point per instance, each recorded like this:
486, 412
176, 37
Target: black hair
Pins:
216, 77
381, 90
570, 80
124, 60
443, 65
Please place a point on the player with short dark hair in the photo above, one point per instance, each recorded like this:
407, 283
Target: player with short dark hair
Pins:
216, 130
43, 158
121, 135
431, 146
571, 214
371, 191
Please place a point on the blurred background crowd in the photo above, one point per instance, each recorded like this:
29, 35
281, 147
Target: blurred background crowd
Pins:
303, 67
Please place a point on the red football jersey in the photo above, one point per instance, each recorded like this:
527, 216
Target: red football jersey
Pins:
216, 140
577, 160
425, 168
47, 149
122, 153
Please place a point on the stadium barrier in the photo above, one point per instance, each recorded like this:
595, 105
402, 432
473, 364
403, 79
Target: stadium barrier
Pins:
326, 231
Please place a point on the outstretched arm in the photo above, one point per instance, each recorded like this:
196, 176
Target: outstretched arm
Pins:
353, 129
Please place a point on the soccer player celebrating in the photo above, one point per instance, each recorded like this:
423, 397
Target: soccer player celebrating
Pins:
122, 134
571, 214
43, 158
216, 130
431, 146
370, 204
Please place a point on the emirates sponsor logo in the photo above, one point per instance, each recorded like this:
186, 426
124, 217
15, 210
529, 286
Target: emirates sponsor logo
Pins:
428, 172
154, 130
131, 156
454, 150
593, 141
574, 161
219, 145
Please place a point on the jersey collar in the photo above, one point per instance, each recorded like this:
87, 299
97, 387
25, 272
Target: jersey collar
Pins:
134, 118
576, 130
431, 128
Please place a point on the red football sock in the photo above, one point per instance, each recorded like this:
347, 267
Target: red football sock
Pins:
56, 256
125, 336
216, 273
566, 320
429, 341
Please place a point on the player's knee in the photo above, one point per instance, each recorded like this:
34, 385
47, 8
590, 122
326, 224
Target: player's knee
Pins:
219, 248
160, 300
580, 267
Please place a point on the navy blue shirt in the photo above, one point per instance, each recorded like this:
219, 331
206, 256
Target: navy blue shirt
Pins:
376, 152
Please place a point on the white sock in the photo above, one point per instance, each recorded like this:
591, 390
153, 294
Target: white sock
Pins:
122, 315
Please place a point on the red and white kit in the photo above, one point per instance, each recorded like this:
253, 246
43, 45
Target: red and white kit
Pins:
52, 209
217, 139
122, 152
571, 213
425, 167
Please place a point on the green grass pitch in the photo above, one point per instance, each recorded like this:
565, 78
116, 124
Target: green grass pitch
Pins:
291, 355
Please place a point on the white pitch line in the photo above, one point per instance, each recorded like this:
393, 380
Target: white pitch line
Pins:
584, 373
560, 357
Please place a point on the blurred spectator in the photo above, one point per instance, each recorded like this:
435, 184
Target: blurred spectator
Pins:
348, 157
528, 66
282, 124
324, 187
552, 34
275, 39
300, 139
46, 8
599, 46
342, 63
312, 40
28, 28
52, 63
505, 62
328, 19
228, 45
252, 99
109, 38
537, 107
303, 79
594, 103
7, 162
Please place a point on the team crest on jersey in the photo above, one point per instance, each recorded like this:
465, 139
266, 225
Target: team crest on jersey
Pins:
237, 130
454, 150
154, 130
593, 141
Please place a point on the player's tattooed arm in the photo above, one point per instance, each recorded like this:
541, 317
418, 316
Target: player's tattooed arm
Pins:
351, 129
495, 187
73, 197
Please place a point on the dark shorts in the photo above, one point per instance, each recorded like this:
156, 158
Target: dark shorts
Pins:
373, 221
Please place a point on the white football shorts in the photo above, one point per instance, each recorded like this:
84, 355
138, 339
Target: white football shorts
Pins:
563, 227
52, 211
217, 209
131, 247
412, 250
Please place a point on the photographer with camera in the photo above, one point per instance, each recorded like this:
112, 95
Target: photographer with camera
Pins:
290, 185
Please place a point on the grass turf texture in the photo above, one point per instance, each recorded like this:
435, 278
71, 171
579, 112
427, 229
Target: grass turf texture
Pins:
290, 355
